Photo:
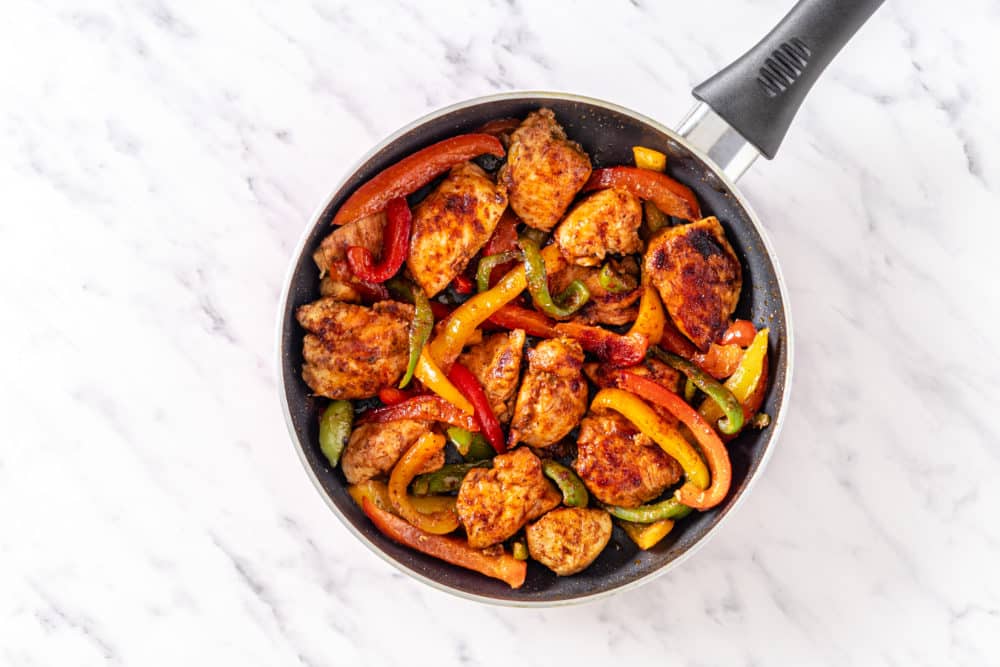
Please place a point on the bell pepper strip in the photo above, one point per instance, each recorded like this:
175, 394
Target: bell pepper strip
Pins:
748, 384
335, 429
504, 235
500, 126
533, 322
616, 349
712, 448
420, 331
611, 281
690, 390
472, 446
651, 319
463, 285
489, 262
446, 479
574, 493
571, 300
413, 172
647, 158
671, 508
377, 492
740, 332
395, 246
421, 408
467, 383
647, 535
392, 395
720, 361
519, 550
653, 426
447, 345
452, 550
434, 379
668, 195
732, 420
655, 218
415, 458
676, 342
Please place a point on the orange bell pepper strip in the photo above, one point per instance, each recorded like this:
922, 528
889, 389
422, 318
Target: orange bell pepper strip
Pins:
670, 196
712, 448
409, 464
748, 383
452, 550
651, 319
413, 172
740, 332
422, 408
533, 322
377, 492
720, 361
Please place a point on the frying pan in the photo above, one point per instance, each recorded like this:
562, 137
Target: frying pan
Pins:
742, 112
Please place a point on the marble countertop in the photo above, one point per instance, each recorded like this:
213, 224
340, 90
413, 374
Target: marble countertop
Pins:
158, 162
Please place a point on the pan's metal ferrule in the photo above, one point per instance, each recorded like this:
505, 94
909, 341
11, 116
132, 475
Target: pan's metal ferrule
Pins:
717, 139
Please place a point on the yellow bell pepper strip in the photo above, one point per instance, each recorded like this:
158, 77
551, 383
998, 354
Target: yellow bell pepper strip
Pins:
647, 158
571, 300
574, 493
748, 383
653, 426
460, 325
651, 319
647, 535
431, 376
335, 429
733, 420
377, 491
712, 448
671, 508
415, 458
453, 550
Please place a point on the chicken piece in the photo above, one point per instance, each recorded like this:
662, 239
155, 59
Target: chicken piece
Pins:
496, 363
544, 170
698, 277
493, 503
373, 449
331, 256
553, 395
603, 307
605, 222
352, 351
569, 539
451, 224
654, 369
620, 465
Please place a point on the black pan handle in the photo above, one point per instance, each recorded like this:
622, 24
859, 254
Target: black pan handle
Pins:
759, 93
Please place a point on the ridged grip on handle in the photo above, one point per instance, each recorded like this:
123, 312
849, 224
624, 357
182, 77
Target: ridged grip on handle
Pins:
760, 92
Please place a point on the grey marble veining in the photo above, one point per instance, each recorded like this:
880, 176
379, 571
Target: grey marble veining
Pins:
158, 161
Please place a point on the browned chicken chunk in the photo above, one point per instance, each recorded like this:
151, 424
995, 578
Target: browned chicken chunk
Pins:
331, 256
698, 277
452, 224
605, 222
374, 449
494, 503
352, 351
654, 369
620, 465
604, 306
544, 170
553, 395
569, 539
496, 363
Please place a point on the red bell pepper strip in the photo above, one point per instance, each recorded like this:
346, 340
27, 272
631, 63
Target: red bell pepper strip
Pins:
616, 349
422, 408
452, 550
500, 126
711, 446
467, 383
670, 197
394, 248
413, 172
392, 395
504, 235
463, 285
740, 332
533, 322
440, 310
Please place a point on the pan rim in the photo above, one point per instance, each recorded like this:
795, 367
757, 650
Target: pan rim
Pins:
776, 426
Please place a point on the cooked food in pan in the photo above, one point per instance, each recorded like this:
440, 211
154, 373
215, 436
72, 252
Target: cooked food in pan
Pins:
522, 352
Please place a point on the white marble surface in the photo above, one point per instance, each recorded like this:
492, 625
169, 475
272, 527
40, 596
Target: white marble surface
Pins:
158, 161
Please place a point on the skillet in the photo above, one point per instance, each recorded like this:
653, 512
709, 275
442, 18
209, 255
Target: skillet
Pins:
742, 112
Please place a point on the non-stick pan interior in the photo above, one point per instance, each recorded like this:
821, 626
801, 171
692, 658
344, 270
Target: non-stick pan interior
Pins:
608, 136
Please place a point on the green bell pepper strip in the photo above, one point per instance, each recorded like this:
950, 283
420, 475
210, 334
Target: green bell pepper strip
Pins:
334, 429
421, 325
519, 550
490, 262
670, 508
472, 446
733, 421
446, 479
573, 491
690, 389
571, 300
611, 281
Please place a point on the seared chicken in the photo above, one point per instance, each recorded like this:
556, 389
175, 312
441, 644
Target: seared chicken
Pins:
569, 539
451, 224
494, 503
353, 351
620, 465
373, 449
605, 222
654, 369
553, 395
603, 307
698, 277
331, 256
496, 363
544, 170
